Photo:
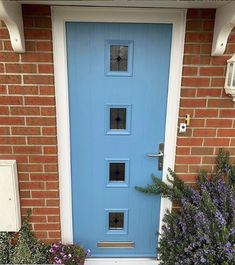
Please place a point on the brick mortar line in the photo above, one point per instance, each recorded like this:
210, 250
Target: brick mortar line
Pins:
198, 30
36, 198
195, 76
27, 115
25, 74
27, 85
205, 66
29, 126
44, 181
38, 28
29, 135
30, 63
38, 172
201, 88
215, 107
192, 155
205, 107
36, 52
25, 106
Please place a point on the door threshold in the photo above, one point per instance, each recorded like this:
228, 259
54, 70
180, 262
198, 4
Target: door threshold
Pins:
121, 261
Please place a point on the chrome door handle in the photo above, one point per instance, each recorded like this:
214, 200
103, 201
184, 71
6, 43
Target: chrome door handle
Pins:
160, 154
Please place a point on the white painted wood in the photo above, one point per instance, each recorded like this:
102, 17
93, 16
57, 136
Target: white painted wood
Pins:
10, 218
106, 14
11, 14
121, 261
63, 132
131, 15
230, 75
224, 23
132, 3
173, 101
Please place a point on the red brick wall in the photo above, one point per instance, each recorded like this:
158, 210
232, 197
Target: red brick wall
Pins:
28, 122
202, 96
28, 119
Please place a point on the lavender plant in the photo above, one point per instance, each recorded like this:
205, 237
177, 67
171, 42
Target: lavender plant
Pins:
202, 231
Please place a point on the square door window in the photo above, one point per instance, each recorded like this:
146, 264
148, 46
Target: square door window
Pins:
116, 221
117, 173
118, 119
118, 57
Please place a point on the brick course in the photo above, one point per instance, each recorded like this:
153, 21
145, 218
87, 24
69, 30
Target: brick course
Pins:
28, 122
202, 96
28, 118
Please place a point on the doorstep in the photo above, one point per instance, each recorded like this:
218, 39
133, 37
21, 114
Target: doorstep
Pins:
121, 261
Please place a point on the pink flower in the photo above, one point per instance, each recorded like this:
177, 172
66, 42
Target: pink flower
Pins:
58, 261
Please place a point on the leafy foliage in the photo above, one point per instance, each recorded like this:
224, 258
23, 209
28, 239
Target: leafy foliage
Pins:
203, 230
175, 189
224, 168
5, 245
28, 250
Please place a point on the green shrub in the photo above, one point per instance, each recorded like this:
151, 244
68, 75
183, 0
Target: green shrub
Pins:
28, 250
5, 245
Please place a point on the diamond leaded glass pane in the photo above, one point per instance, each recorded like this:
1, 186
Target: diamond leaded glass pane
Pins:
117, 172
117, 118
118, 58
116, 221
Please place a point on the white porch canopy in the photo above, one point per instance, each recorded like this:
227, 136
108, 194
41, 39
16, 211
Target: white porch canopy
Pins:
11, 14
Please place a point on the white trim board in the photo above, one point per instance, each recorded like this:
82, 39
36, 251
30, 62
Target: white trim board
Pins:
127, 15
121, 261
133, 3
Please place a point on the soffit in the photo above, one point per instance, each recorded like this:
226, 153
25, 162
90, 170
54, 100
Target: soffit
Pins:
134, 3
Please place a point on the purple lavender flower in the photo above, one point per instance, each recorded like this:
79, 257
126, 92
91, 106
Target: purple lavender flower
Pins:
204, 230
219, 218
203, 260
196, 199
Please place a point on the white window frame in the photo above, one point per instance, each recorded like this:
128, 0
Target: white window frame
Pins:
60, 15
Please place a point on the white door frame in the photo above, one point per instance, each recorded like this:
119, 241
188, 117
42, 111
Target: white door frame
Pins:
60, 15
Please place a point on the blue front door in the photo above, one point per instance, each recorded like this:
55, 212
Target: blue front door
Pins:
118, 80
